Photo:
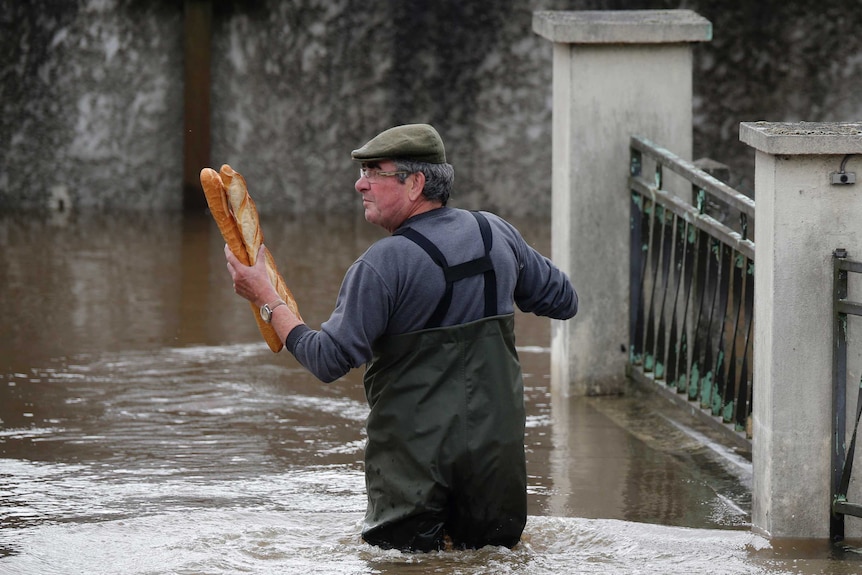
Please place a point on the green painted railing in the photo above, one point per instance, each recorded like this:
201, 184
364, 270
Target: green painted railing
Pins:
692, 288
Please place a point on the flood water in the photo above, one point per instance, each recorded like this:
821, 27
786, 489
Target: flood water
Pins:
147, 429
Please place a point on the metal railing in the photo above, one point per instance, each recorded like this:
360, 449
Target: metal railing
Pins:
692, 289
842, 459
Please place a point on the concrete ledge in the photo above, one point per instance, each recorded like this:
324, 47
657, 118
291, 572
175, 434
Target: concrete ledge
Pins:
622, 26
803, 138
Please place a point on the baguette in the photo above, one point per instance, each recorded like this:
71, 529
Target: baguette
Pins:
237, 219
216, 196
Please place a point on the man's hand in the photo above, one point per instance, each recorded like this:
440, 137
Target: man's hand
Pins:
251, 282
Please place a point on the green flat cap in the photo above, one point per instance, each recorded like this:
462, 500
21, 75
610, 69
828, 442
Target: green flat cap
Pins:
418, 142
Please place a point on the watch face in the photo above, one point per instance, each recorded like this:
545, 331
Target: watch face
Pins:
265, 313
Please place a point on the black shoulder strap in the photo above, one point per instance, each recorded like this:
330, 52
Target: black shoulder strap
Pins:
490, 276
482, 265
436, 318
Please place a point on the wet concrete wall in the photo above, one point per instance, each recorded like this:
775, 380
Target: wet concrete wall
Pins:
91, 93
91, 99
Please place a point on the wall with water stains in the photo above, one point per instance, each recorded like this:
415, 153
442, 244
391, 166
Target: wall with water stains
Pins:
92, 94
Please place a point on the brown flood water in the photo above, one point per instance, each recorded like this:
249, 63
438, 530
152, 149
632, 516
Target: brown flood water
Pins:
145, 428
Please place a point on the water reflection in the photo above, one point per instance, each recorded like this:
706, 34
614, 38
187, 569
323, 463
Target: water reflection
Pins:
146, 428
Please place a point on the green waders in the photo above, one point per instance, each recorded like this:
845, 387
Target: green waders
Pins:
445, 453
445, 449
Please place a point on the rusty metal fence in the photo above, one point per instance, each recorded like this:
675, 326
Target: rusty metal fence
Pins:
692, 288
842, 456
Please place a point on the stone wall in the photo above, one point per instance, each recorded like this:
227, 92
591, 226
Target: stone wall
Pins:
91, 93
91, 98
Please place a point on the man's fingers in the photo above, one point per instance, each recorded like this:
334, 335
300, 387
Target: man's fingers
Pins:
247, 280
261, 256
229, 255
231, 262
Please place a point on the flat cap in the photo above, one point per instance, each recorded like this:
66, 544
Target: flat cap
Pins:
418, 142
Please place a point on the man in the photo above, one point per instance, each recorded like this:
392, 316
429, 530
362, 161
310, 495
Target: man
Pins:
430, 310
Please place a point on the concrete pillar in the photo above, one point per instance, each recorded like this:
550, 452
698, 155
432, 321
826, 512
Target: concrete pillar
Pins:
616, 74
801, 218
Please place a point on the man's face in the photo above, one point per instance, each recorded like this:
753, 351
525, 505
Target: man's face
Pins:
384, 197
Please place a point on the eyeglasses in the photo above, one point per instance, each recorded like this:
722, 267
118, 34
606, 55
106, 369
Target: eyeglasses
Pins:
374, 173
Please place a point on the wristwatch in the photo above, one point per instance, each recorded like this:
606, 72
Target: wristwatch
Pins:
267, 309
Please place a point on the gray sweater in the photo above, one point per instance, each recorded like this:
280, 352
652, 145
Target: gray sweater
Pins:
395, 286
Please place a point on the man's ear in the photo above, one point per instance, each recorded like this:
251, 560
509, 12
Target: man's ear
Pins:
417, 184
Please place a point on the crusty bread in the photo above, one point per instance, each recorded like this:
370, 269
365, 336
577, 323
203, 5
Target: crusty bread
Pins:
236, 216
243, 209
216, 196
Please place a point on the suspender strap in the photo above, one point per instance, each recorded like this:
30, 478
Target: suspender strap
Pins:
452, 274
490, 276
436, 318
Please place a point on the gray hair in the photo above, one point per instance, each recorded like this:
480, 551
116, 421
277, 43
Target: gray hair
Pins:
438, 178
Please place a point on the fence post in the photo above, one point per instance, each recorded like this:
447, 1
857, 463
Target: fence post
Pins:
615, 74
804, 212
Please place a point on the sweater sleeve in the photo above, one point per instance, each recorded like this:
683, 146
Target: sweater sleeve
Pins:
542, 288
344, 341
